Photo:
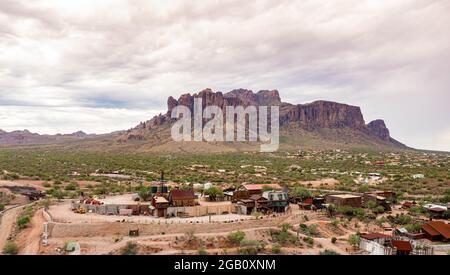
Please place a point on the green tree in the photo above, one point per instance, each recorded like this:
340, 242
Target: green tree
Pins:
213, 192
354, 240
10, 248
129, 249
329, 252
2, 207
144, 193
301, 193
276, 248
22, 221
236, 238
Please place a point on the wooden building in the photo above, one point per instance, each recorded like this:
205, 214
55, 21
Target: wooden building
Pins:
277, 200
255, 189
181, 198
436, 231
344, 200
161, 204
402, 247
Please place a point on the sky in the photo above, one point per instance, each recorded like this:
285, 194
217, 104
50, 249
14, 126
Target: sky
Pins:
105, 65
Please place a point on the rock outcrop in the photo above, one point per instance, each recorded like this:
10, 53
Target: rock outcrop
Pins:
311, 117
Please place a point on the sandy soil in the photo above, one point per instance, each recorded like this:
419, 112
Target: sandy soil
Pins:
61, 213
320, 183
29, 239
7, 223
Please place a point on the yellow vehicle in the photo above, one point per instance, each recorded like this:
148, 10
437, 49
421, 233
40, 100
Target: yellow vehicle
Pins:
80, 211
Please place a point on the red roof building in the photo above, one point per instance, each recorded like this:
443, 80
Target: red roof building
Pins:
436, 231
179, 197
402, 247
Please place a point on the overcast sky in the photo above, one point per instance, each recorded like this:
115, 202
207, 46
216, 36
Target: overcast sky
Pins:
101, 66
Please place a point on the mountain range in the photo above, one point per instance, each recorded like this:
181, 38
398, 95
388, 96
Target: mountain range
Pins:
320, 124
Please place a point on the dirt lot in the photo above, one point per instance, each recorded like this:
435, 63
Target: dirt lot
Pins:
62, 213
325, 183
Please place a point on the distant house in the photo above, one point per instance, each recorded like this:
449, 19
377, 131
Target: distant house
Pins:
278, 200
379, 199
436, 231
312, 203
402, 247
435, 210
418, 176
237, 195
160, 204
344, 200
376, 243
377, 237
254, 203
408, 204
254, 189
181, 198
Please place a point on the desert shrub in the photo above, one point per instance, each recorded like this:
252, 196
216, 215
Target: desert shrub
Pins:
378, 210
276, 248
310, 230
213, 192
10, 248
301, 193
57, 182
71, 186
235, 238
129, 249
2, 207
413, 228
329, 252
334, 222
202, 251
308, 240
402, 219
250, 247
22, 221
144, 193
370, 204
353, 240
283, 237
333, 240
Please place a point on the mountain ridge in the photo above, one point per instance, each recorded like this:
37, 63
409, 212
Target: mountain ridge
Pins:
321, 120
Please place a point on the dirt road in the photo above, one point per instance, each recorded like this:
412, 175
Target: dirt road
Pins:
32, 240
6, 225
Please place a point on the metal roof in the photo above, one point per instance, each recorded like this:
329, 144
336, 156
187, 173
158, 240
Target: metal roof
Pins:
402, 245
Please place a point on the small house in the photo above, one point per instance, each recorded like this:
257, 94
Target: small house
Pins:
161, 204
181, 198
344, 200
278, 200
254, 189
436, 231
402, 247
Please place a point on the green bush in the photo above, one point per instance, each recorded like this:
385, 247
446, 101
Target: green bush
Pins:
2, 207
10, 248
308, 240
71, 186
202, 251
329, 252
250, 247
276, 248
236, 238
22, 221
354, 240
129, 249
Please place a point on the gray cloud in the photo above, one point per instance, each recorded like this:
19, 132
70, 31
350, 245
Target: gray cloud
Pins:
389, 57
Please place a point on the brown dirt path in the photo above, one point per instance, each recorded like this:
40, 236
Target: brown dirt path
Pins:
31, 239
6, 224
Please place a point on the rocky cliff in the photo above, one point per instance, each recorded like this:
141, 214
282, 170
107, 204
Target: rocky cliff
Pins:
310, 117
